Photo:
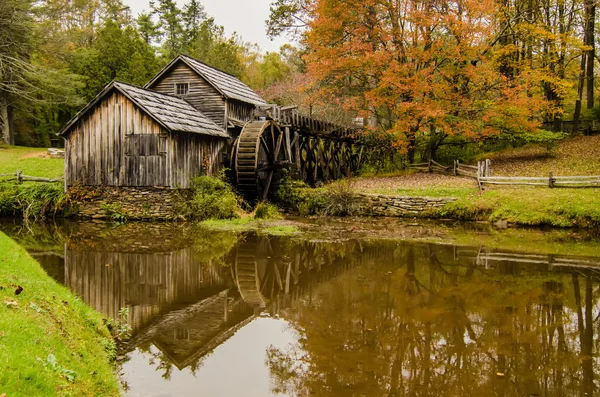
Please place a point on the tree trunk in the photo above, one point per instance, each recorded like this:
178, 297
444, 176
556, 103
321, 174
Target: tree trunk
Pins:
590, 18
5, 132
577, 113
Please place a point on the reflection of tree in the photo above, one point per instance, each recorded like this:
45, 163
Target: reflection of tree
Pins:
411, 321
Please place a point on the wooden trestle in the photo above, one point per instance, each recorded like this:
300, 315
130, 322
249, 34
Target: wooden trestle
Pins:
314, 150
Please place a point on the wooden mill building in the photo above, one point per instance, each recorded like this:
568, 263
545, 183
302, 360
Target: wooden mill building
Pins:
192, 119
161, 135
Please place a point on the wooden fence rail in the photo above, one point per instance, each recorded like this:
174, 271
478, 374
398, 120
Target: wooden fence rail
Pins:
483, 173
471, 171
19, 177
550, 181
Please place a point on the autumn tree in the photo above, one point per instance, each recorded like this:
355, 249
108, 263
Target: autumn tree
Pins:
422, 69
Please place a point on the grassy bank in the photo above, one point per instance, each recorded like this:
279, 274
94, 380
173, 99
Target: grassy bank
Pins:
31, 161
51, 343
526, 206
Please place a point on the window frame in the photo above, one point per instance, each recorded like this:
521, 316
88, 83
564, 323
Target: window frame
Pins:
186, 87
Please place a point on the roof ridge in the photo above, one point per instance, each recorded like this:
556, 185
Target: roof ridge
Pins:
212, 67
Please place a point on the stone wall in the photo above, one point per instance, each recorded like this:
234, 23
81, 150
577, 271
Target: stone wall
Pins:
400, 206
130, 202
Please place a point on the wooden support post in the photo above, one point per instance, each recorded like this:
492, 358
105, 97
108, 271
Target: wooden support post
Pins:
19, 176
488, 167
551, 181
429, 166
455, 167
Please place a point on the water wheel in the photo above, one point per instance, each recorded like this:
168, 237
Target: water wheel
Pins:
258, 154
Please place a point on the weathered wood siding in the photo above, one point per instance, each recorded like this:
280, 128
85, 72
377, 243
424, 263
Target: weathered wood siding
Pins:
239, 110
201, 95
116, 144
146, 283
191, 155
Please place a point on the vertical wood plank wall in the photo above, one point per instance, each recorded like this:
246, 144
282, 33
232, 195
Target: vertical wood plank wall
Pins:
106, 147
201, 95
189, 153
117, 144
240, 110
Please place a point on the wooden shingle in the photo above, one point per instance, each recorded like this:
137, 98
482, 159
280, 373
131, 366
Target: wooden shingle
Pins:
173, 113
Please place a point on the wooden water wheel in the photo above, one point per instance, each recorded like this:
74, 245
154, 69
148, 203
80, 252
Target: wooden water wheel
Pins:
257, 156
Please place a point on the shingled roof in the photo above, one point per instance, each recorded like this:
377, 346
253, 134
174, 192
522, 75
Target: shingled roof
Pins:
171, 112
229, 86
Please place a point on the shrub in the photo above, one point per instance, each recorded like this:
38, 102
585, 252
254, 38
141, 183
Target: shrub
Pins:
340, 199
336, 199
266, 210
40, 200
8, 199
212, 198
114, 212
32, 200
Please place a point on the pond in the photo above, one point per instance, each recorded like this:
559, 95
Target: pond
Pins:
348, 308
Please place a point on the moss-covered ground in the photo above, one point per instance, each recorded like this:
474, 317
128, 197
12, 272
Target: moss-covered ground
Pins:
51, 343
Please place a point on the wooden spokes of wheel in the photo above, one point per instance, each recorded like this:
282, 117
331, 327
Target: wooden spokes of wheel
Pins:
259, 153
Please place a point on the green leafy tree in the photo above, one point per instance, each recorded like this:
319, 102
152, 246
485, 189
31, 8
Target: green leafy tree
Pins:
193, 16
169, 26
147, 28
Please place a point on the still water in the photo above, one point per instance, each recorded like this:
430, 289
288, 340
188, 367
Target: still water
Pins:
339, 313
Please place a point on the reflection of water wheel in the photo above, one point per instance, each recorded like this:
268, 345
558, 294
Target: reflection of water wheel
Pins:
258, 154
251, 274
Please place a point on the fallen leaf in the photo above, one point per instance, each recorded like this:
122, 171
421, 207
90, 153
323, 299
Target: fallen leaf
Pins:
2, 334
11, 303
108, 264
3, 395
18, 290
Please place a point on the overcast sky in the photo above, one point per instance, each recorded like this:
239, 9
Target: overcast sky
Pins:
246, 17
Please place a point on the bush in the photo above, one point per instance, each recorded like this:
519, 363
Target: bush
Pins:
266, 210
340, 199
212, 198
32, 200
336, 199
8, 199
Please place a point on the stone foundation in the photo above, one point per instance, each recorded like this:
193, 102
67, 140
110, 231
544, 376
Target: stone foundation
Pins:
130, 202
400, 206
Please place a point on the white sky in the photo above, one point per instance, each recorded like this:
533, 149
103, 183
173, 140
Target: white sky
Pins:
246, 17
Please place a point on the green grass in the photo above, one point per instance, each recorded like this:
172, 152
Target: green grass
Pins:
47, 321
28, 160
528, 206
427, 191
243, 225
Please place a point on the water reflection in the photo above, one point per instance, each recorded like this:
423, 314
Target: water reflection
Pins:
225, 314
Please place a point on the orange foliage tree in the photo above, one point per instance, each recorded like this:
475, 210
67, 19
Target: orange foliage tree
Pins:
426, 69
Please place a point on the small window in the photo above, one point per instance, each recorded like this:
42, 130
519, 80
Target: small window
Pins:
182, 88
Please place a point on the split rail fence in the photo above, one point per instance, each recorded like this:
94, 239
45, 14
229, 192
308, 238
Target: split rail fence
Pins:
483, 173
20, 178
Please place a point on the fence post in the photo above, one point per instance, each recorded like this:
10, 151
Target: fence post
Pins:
488, 167
455, 167
429, 166
551, 181
19, 176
